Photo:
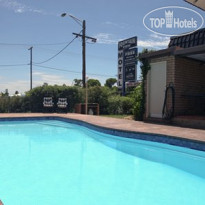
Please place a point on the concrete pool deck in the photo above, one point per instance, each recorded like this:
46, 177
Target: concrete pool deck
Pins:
122, 124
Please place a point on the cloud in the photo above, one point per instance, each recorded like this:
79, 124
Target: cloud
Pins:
51, 79
156, 36
116, 25
39, 78
20, 8
14, 5
106, 38
12, 86
154, 41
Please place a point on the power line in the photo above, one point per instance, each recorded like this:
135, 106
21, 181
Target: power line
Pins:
71, 71
58, 52
13, 65
28, 44
59, 69
47, 59
11, 68
34, 44
48, 50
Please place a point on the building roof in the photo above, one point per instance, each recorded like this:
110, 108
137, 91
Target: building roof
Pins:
188, 40
159, 53
198, 3
196, 53
188, 45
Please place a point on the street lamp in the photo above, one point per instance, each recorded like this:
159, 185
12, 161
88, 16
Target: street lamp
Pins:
73, 17
83, 36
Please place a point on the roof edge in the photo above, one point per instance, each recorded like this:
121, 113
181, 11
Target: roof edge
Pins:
163, 52
192, 50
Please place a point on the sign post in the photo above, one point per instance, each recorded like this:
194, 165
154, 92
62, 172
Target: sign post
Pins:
127, 55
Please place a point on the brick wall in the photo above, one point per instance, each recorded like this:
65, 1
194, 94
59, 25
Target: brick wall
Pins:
189, 85
188, 78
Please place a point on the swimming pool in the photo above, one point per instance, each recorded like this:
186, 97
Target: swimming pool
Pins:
53, 162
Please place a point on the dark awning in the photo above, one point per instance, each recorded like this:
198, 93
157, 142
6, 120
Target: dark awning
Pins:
196, 53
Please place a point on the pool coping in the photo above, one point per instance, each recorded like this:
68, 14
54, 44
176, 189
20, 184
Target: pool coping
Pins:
154, 137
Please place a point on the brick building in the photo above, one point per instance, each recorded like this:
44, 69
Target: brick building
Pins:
182, 67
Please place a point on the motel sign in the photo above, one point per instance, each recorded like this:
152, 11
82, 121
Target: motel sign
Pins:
127, 53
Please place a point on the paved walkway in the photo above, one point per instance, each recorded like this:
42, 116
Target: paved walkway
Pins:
121, 124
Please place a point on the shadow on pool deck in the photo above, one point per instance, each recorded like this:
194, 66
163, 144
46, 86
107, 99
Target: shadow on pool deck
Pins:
122, 124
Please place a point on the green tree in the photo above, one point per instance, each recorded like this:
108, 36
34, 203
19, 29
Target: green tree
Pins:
78, 82
110, 82
93, 83
6, 93
16, 92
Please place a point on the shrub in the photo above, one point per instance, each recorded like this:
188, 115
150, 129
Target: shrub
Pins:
127, 105
14, 104
115, 105
36, 95
4, 104
99, 95
119, 105
138, 103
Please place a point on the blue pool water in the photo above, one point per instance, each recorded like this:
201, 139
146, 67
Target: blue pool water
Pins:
52, 162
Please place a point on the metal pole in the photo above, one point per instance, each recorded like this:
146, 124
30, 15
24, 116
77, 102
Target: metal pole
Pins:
31, 67
86, 97
123, 83
83, 55
123, 75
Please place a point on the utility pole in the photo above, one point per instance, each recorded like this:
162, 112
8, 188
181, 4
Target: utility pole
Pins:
31, 66
84, 37
83, 56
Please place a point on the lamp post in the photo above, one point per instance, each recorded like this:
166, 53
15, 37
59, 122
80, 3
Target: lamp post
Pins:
84, 37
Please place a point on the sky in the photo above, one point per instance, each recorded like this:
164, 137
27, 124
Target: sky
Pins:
26, 23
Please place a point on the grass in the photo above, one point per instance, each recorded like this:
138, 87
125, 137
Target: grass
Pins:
130, 117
